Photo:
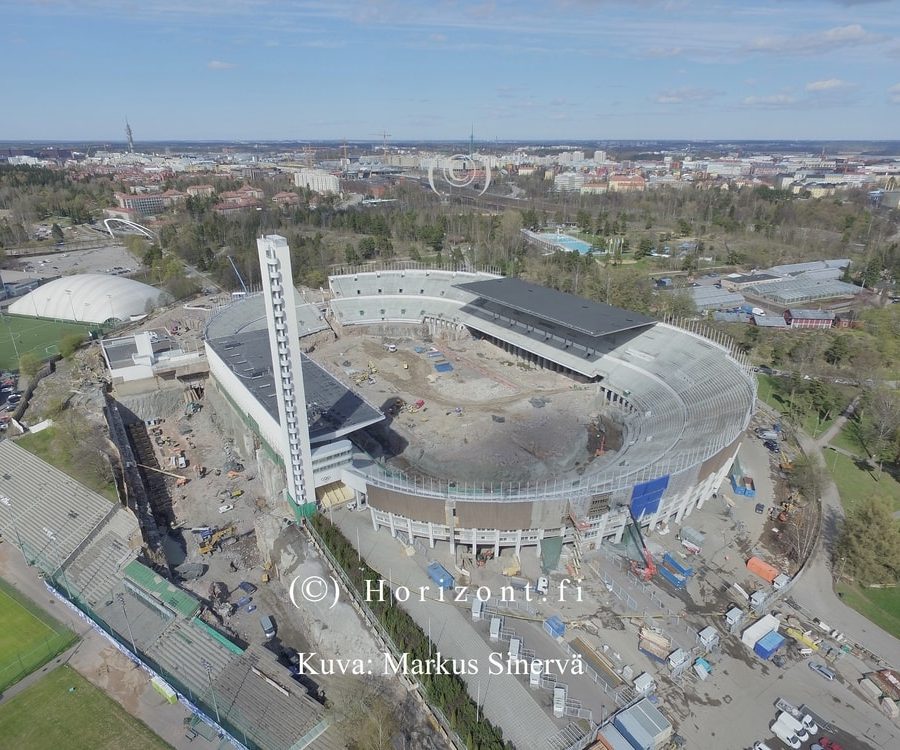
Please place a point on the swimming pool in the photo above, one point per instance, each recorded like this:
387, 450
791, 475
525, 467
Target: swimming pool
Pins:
565, 242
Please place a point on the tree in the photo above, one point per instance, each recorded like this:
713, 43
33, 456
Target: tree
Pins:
880, 424
806, 477
70, 343
57, 233
645, 247
29, 365
869, 544
838, 351
366, 248
351, 256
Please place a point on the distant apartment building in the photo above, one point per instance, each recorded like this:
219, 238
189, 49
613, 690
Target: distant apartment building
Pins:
796, 318
568, 182
286, 198
200, 191
149, 204
626, 183
317, 180
234, 201
593, 188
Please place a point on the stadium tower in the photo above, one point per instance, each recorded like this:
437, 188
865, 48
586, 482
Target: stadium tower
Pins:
281, 316
129, 136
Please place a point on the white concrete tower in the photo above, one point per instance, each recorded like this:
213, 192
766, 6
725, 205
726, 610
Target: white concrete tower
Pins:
278, 290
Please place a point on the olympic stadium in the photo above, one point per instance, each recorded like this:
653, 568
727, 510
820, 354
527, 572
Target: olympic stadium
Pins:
576, 415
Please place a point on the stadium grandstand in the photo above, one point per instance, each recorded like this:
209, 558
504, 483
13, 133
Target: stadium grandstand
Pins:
87, 548
682, 398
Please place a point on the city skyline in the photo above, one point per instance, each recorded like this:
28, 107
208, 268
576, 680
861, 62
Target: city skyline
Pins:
572, 69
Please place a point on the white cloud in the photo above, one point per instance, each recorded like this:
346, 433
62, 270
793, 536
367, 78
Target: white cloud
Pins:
829, 84
852, 35
774, 101
894, 94
220, 65
684, 95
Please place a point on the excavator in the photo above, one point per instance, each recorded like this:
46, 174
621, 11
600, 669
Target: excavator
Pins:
643, 567
209, 544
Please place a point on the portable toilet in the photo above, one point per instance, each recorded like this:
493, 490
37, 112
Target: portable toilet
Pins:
534, 674
477, 609
496, 624
515, 646
559, 701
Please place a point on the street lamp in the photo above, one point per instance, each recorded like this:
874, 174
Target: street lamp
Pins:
208, 667
120, 597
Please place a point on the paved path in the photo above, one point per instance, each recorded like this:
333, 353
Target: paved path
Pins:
98, 661
814, 593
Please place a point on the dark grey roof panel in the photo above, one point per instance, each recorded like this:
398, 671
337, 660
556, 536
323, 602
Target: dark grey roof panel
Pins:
333, 410
576, 313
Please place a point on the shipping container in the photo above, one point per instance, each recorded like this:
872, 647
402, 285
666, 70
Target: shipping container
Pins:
678, 581
643, 725
555, 627
761, 568
439, 574
768, 644
685, 571
758, 629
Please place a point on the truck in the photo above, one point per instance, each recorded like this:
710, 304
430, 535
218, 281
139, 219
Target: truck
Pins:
439, 574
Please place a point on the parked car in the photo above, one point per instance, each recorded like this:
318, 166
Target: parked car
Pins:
268, 626
830, 744
247, 587
822, 670
771, 445
225, 508
760, 508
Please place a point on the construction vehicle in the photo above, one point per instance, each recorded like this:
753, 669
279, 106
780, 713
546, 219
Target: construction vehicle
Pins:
267, 572
643, 567
211, 543
483, 556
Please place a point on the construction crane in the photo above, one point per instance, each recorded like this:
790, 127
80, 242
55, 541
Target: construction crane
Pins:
644, 567
384, 136
238, 274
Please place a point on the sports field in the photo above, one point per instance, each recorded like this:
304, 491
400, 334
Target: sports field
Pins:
63, 710
33, 335
29, 638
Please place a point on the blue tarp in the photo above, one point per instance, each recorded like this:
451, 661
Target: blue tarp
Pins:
645, 497
555, 626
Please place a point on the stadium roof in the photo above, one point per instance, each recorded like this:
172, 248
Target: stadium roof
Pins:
576, 313
333, 410
88, 298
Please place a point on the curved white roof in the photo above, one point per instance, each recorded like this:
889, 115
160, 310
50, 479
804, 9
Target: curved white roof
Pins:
87, 298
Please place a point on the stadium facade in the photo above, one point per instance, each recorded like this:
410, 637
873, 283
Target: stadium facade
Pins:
683, 399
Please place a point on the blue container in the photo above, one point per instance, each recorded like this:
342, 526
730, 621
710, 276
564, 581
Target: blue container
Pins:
768, 644
555, 626
672, 577
438, 573
673, 563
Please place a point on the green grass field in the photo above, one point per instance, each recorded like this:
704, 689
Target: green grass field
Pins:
881, 606
63, 710
32, 335
855, 483
29, 638
55, 447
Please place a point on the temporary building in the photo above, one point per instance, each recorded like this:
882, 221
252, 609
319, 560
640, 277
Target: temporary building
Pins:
768, 644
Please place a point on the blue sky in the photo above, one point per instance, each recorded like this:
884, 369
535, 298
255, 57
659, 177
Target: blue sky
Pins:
430, 69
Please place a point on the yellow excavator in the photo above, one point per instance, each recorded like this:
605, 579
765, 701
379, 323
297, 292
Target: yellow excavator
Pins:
208, 545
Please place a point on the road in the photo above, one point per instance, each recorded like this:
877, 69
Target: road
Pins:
814, 593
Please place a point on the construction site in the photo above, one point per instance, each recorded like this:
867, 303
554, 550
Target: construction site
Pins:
464, 409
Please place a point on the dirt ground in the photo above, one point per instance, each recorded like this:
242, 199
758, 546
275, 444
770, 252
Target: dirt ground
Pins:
499, 418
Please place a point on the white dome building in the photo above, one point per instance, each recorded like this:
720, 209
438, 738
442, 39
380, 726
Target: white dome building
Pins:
88, 298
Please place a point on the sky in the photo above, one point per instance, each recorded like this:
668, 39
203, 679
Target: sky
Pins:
435, 69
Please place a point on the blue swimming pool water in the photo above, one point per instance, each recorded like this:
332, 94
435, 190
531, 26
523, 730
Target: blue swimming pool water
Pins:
566, 242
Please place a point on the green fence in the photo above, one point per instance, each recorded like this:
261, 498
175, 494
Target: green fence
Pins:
22, 650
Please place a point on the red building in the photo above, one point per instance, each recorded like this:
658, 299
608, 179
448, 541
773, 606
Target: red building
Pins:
797, 318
